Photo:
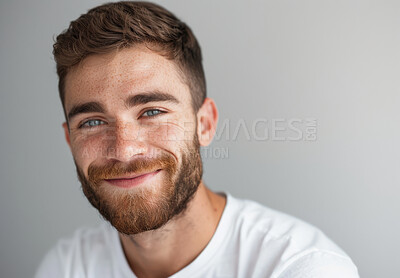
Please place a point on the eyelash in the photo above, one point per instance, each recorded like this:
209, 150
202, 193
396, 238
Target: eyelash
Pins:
84, 124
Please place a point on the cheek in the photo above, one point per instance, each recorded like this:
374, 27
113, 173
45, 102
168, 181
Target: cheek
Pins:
172, 133
88, 148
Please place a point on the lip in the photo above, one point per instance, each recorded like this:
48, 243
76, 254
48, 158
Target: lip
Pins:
133, 180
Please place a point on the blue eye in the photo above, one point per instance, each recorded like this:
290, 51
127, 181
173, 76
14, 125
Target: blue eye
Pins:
152, 113
92, 123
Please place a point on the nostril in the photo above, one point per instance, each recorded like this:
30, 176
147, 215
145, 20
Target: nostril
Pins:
124, 150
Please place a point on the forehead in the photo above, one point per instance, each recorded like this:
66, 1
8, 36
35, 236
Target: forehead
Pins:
121, 73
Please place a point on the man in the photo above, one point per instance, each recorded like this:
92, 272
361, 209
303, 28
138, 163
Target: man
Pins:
133, 90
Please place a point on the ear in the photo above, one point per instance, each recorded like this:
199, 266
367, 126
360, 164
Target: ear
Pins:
66, 132
207, 118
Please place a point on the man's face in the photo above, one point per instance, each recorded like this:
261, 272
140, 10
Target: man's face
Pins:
132, 133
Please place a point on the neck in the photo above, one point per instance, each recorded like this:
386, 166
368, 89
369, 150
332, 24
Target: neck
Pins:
165, 251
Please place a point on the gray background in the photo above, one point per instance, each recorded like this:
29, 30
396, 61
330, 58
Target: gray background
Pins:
335, 61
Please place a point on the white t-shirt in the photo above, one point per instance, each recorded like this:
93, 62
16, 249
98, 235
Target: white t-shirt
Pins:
251, 240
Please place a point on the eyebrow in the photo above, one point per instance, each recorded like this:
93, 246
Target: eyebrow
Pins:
144, 98
88, 107
138, 99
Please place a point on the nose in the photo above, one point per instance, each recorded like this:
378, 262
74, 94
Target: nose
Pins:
124, 142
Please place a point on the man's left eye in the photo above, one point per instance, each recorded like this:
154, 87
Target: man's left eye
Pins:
152, 113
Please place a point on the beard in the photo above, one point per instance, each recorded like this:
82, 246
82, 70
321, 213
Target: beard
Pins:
145, 207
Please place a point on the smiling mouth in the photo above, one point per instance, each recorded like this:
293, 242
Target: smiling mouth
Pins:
133, 180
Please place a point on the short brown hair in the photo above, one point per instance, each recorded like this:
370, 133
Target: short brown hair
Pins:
114, 26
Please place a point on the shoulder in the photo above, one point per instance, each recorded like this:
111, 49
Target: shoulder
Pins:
291, 243
257, 220
318, 263
71, 256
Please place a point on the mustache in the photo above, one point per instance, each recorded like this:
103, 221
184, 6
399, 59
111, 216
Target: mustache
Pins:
115, 168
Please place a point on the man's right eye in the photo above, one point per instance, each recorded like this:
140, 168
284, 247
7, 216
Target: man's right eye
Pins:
91, 123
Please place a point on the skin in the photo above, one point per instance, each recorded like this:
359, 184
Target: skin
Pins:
124, 133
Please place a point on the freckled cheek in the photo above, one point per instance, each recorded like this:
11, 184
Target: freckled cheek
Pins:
86, 149
170, 133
